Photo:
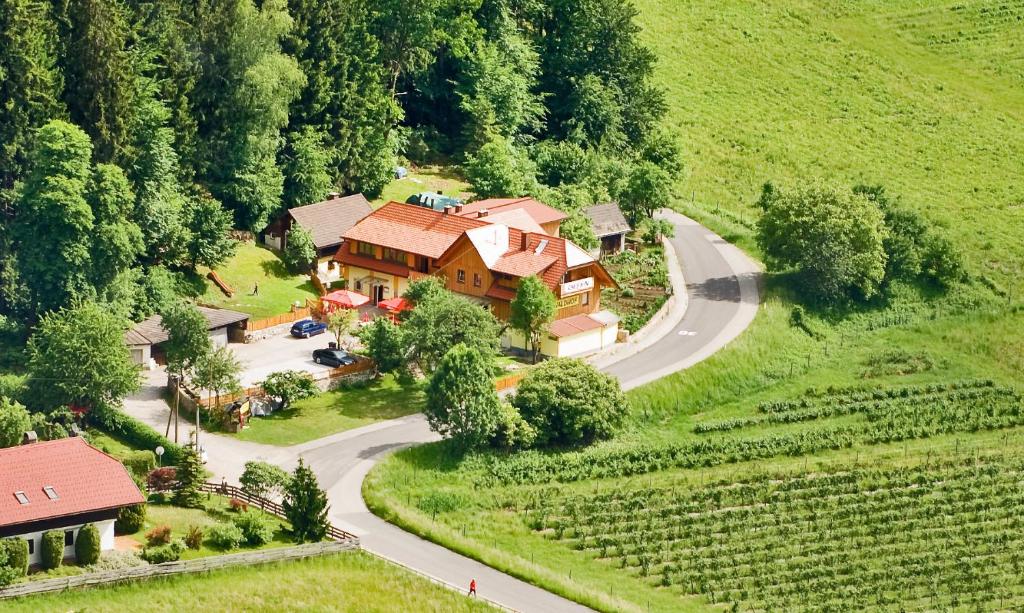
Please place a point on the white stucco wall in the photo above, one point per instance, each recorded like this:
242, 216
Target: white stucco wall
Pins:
105, 527
219, 337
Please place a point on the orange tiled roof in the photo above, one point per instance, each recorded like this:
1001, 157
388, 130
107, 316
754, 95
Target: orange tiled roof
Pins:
362, 261
500, 292
411, 228
540, 212
571, 326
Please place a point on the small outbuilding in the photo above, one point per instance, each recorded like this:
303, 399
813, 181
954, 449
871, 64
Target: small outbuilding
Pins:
61, 485
610, 227
325, 222
145, 339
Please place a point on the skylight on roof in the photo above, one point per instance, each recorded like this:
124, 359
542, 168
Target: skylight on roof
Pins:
540, 247
50, 492
22, 498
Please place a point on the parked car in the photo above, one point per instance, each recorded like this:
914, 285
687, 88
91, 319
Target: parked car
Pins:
333, 357
307, 328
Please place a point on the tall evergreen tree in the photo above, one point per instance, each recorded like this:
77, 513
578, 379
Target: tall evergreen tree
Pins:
305, 505
345, 97
242, 101
30, 84
101, 70
54, 221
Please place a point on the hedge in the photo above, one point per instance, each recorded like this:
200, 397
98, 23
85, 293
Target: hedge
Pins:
87, 545
130, 519
52, 549
133, 432
17, 555
140, 463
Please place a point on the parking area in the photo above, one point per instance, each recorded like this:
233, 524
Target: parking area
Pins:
281, 352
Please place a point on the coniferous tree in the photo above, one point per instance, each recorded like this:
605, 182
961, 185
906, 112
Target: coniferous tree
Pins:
305, 505
190, 477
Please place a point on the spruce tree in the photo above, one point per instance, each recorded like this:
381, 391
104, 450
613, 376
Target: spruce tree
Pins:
190, 476
305, 506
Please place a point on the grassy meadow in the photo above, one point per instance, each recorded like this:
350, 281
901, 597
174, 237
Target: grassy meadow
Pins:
353, 581
255, 264
922, 97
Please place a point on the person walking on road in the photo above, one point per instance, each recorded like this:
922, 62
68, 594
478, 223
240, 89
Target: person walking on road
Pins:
472, 588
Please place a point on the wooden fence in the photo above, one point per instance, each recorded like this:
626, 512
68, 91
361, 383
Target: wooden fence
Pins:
149, 571
284, 318
269, 506
508, 381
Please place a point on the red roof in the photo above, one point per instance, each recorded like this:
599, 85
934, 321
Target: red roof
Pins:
83, 478
540, 212
571, 326
411, 228
500, 292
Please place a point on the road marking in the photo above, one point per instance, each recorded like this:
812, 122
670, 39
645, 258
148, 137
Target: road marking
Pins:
687, 333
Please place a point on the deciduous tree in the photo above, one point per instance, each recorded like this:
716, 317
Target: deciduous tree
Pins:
532, 309
14, 422
442, 320
299, 251
461, 401
290, 385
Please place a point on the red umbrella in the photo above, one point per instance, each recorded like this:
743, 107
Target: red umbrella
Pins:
396, 305
346, 299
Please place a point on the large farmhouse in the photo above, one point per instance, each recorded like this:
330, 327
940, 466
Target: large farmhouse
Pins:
482, 252
61, 485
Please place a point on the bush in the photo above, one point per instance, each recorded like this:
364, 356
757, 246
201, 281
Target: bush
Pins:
226, 536
263, 478
568, 402
162, 479
513, 432
130, 519
256, 530
194, 537
160, 535
52, 549
163, 553
14, 422
140, 462
7, 573
87, 545
237, 505
17, 555
132, 431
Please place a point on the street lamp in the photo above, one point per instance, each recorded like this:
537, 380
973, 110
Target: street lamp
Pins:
159, 454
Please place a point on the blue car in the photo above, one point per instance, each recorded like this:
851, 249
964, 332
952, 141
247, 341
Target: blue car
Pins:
307, 328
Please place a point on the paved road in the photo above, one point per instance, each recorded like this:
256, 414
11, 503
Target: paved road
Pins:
722, 286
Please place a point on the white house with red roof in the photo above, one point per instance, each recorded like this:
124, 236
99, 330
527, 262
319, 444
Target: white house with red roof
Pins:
61, 485
482, 251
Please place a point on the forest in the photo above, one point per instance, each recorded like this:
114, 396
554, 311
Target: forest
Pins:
136, 135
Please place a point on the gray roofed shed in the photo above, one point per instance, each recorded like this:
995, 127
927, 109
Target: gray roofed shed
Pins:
607, 219
326, 221
150, 331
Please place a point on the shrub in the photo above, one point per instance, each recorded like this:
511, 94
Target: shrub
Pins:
194, 537
17, 555
87, 545
52, 549
7, 573
568, 402
163, 553
160, 535
237, 505
130, 519
262, 478
226, 536
132, 431
628, 292
256, 530
14, 422
513, 432
162, 479
141, 462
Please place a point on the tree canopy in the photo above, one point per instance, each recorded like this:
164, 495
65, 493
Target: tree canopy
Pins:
461, 401
532, 310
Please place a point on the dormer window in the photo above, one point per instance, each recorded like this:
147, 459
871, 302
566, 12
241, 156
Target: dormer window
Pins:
50, 492
22, 498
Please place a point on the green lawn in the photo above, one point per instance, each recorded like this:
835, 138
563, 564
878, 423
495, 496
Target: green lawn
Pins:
216, 511
108, 443
253, 264
424, 179
354, 581
924, 98
336, 411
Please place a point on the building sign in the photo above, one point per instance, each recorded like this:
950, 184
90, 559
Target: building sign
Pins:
578, 286
571, 301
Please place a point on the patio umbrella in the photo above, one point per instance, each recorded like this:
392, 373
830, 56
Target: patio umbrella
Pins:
346, 299
395, 305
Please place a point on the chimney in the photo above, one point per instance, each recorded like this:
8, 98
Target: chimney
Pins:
333, 195
440, 193
447, 210
481, 213
29, 437
458, 208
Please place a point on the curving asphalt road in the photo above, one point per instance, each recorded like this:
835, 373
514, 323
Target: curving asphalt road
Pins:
723, 296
